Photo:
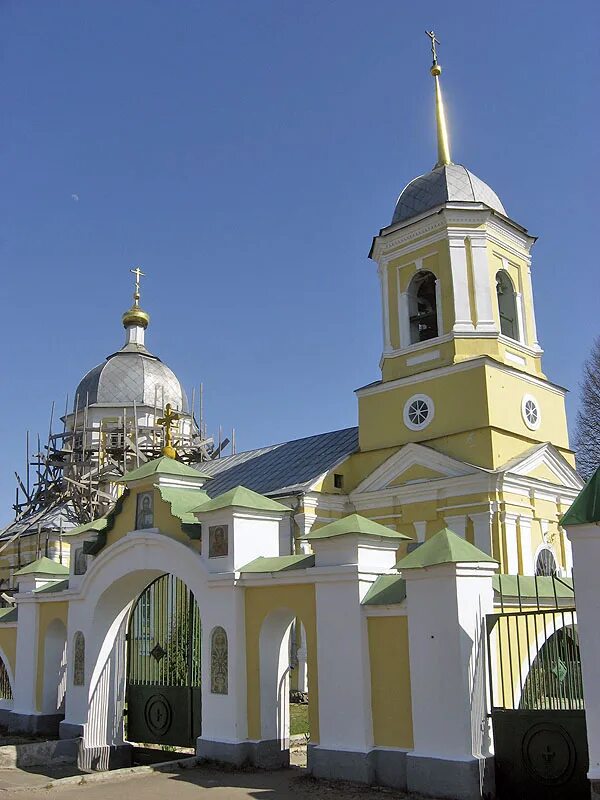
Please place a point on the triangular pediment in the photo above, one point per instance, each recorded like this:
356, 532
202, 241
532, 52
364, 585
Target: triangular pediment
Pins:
414, 464
545, 463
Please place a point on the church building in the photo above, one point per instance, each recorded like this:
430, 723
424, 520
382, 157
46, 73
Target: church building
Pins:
406, 554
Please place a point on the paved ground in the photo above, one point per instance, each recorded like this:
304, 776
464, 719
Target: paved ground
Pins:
204, 783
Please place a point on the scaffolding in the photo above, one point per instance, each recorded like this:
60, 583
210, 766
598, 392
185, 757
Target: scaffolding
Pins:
73, 478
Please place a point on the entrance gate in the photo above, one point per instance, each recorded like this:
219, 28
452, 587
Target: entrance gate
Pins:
163, 697
538, 715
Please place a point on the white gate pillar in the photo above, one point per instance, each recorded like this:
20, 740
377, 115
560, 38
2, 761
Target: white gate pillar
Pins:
582, 523
449, 593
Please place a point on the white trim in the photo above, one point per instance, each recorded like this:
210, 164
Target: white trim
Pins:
418, 426
529, 398
432, 355
481, 285
515, 358
463, 366
520, 317
460, 284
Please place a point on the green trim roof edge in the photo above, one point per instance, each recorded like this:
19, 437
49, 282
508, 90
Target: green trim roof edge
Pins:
444, 548
279, 563
585, 509
386, 590
162, 466
43, 566
241, 497
355, 524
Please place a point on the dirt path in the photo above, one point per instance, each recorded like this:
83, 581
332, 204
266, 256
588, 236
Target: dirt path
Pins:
204, 783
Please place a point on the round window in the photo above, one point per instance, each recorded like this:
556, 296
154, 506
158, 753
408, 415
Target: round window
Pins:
531, 412
418, 412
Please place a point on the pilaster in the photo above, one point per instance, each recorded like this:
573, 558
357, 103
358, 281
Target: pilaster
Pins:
460, 285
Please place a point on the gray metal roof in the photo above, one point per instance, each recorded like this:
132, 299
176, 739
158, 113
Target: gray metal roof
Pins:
280, 468
128, 376
451, 183
49, 519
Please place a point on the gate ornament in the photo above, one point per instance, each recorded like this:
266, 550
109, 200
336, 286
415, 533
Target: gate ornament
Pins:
158, 652
78, 659
219, 662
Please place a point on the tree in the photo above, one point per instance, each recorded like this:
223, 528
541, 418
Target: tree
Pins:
587, 436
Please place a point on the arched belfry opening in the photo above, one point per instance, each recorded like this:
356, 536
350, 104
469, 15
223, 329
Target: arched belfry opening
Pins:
422, 307
163, 693
507, 305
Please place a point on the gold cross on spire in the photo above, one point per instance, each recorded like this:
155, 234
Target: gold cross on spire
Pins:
167, 421
138, 274
443, 145
434, 41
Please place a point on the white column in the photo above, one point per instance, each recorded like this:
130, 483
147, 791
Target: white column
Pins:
404, 319
420, 528
438, 305
447, 606
460, 285
528, 567
482, 530
585, 540
345, 725
482, 285
510, 536
25, 688
457, 524
520, 318
385, 306
535, 342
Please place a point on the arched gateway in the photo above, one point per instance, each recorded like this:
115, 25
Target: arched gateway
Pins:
163, 696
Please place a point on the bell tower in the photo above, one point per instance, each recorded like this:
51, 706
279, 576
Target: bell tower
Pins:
461, 367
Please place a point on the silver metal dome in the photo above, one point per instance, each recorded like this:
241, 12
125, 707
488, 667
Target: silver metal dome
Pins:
449, 183
131, 374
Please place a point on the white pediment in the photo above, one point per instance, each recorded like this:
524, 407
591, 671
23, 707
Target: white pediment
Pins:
414, 463
545, 463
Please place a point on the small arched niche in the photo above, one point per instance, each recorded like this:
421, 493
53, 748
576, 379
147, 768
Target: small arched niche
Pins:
422, 307
507, 305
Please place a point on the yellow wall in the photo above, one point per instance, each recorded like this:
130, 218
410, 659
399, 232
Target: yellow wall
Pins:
390, 681
260, 601
8, 643
47, 613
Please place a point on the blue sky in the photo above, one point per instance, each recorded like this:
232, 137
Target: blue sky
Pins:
244, 153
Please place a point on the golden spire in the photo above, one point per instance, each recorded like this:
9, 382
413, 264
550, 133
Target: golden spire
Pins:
135, 315
442, 133
167, 422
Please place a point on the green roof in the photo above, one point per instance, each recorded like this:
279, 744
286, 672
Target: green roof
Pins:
525, 586
354, 523
279, 563
96, 525
182, 501
443, 548
162, 466
43, 566
387, 590
53, 586
9, 614
586, 506
242, 498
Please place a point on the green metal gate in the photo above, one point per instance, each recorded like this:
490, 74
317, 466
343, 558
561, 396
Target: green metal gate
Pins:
538, 714
163, 697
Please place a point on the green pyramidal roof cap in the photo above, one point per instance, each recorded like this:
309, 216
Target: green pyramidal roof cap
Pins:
586, 506
43, 566
162, 466
354, 523
242, 498
443, 548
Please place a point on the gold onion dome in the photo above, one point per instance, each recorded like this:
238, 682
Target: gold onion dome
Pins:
136, 316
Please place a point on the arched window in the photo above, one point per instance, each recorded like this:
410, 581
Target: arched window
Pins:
507, 305
422, 307
545, 564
